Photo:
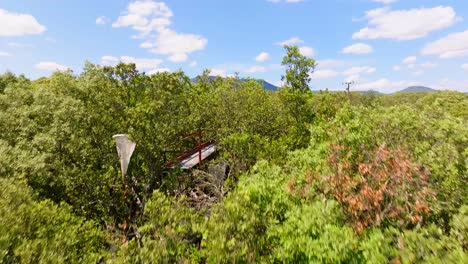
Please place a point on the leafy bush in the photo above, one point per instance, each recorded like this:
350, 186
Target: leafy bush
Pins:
314, 232
237, 230
313, 177
437, 143
43, 232
378, 187
170, 234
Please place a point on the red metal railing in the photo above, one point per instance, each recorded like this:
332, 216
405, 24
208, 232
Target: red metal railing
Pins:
199, 148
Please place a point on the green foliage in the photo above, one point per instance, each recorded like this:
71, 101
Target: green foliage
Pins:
261, 222
9, 80
314, 232
248, 122
50, 135
169, 234
299, 106
420, 245
459, 226
325, 105
428, 245
237, 230
436, 143
296, 95
42, 232
298, 69
304, 171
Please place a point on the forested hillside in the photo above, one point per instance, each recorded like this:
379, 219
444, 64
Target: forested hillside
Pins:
299, 177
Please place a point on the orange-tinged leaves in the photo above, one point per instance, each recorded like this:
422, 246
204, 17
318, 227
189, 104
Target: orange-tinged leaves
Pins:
377, 186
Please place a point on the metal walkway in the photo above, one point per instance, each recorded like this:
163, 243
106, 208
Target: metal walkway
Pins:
193, 157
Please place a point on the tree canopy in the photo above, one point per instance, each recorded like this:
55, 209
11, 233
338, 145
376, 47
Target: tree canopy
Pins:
298, 177
298, 69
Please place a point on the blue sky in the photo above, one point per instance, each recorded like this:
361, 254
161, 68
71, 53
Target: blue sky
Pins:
385, 45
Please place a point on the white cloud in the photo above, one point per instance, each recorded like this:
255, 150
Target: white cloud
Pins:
428, 65
140, 63
465, 66
291, 41
169, 42
4, 54
406, 24
324, 74
278, 83
454, 45
16, 24
417, 68
178, 57
307, 51
354, 73
304, 50
385, 85
102, 20
418, 73
151, 20
145, 16
385, 1
218, 72
352, 78
50, 66
450, 84
158, 70
410, 60
19, 45
263, 56
359, 70
193, 64
358, 48
330, 63
109, 60
256, 69
228, 70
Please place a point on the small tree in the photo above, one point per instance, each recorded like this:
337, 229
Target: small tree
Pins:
298, 69
297, 96
5, 79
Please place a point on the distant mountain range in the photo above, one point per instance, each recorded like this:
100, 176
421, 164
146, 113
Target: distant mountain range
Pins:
268, 86
411, 89
418, 89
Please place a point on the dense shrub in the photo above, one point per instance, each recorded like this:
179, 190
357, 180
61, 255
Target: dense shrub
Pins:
43, 232
379, 187
170, 234
311, 177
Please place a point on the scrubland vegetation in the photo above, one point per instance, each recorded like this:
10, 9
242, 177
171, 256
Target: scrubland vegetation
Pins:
300, 177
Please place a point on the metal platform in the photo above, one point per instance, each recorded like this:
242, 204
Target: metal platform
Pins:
193, 157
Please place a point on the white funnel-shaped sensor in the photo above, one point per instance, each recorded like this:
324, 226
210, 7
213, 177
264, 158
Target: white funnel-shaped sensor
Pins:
125, 148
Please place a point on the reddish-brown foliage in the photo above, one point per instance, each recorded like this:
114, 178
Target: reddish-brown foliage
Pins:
378, 186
